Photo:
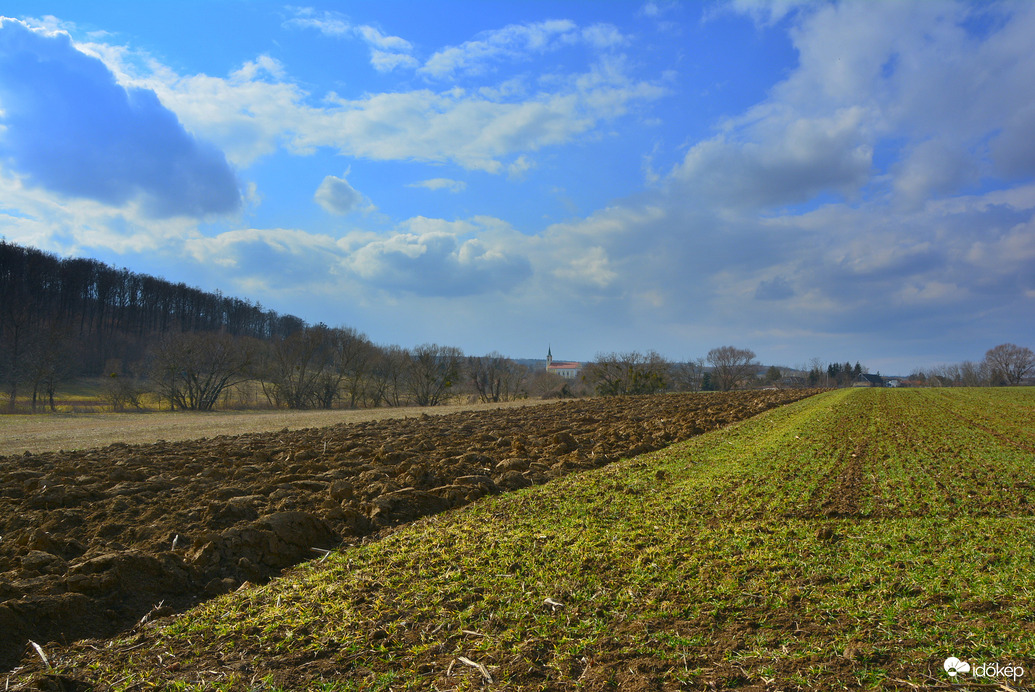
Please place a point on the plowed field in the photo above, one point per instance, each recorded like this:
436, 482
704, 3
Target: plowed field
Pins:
93, 541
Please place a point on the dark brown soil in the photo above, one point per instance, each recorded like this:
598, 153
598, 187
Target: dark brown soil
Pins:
93, 541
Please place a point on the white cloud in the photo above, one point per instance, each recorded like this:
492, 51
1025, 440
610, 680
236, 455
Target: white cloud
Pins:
782, 159
337, 196
87, 136
459, 126
257, 109
434, 257
767, 12
602, 36
248, 113
590, 266
920, 71
65, 225
909, 79
519, 167
932, 168
328, 23
386, 52
517, 42
441, 184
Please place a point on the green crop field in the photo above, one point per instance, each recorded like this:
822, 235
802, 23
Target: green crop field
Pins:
853, 540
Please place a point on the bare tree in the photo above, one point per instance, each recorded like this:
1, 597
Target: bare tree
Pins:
353, 357
12, 347
606, 374
387, 379
48, 357
973, 374
616, 374
731, 366
294, 365
191, 370
688, 376
432, 372
1010, 363
549, 385
817, 373
122, 391
495, 377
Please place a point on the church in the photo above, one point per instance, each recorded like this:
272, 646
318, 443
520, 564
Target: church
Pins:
569, 370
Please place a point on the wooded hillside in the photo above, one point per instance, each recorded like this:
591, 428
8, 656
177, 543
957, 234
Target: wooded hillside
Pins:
66, 318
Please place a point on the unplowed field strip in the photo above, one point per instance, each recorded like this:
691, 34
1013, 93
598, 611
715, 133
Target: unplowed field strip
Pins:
52, 432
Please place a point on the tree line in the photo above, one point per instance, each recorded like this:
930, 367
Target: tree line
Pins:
320, 367
724, 368
324, 367
65, 319
61, 319
1003, 365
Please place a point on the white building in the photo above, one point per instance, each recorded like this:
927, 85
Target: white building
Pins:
569, 370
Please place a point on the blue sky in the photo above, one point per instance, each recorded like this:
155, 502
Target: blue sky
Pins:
847, 181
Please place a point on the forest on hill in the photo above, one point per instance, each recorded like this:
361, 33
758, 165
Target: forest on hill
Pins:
62, 319
66, 319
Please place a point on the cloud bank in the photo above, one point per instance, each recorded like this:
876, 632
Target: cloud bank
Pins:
70, 127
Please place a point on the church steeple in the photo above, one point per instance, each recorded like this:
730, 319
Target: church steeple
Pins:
549, 356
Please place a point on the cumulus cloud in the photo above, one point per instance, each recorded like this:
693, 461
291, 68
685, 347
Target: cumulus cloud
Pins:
70, 127
785, 159
591, 266
258, 106
268, 261
908, 79
337, 196
431, 257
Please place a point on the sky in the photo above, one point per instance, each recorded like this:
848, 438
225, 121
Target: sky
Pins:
848, 181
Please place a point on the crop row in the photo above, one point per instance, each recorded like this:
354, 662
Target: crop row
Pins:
877, 453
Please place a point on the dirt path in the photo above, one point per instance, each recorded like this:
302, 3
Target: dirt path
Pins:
52, 432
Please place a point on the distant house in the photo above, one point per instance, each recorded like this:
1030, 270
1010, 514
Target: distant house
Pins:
569, 370
894, 382
867, 380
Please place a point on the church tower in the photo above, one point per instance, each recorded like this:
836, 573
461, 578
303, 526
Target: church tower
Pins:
549, 356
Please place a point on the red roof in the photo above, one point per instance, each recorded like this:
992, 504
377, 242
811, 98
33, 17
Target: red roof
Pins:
561, 365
